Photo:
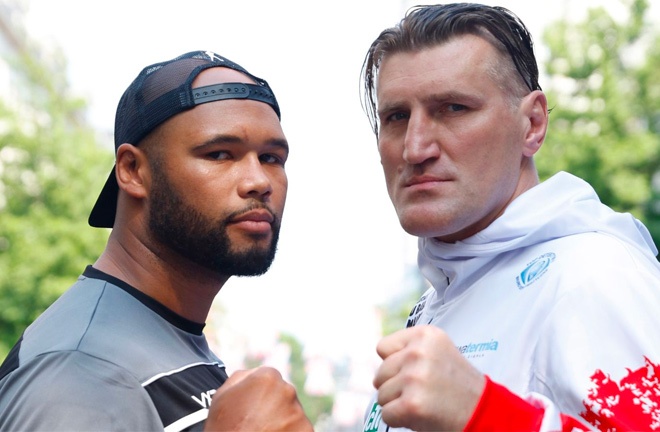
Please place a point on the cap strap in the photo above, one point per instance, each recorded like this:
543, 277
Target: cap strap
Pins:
224, 91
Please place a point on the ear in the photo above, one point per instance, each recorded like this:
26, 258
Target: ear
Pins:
132, 171
535, 108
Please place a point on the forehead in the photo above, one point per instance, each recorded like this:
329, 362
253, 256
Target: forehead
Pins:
462, 59
244, 119
239, 120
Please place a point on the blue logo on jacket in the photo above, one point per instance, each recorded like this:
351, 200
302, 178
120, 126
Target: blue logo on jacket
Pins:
534, 270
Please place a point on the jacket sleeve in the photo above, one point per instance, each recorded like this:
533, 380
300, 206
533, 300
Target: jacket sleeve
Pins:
501, 410
597, 362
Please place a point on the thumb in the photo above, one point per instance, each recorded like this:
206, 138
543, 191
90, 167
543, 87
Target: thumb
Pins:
237, 377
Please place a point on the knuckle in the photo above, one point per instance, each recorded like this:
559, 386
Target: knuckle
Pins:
270, 373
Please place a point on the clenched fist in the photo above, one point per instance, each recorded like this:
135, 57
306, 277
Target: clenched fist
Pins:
256, 400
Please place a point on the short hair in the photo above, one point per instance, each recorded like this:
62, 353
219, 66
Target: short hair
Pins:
426, 26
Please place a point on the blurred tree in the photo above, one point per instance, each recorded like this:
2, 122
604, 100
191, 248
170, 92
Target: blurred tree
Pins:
316, 407
604, 93
396, 311
51, 170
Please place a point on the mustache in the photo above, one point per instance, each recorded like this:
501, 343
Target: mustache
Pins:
254, 206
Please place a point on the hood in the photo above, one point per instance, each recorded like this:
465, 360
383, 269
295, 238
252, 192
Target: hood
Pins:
561, 206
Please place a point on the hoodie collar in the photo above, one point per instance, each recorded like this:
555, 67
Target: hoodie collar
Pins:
561, 206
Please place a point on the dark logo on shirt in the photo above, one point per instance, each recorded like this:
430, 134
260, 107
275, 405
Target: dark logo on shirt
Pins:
416, 312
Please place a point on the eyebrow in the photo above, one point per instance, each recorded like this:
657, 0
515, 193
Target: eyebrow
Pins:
389, 108
453, 96
234, 140
283, 144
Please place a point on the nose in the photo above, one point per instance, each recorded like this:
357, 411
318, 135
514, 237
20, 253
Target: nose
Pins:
421, 140
255, 182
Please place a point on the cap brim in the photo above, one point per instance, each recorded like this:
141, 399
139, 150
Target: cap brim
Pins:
103, 213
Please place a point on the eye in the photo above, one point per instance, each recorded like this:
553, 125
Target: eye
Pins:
219, 155
395, 117
273, 159
455, 107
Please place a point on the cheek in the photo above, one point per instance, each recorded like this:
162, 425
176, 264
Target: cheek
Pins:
192, 174
390, 173
280, 188
487, 153
212, 199
284, 184
208, 188
391, 157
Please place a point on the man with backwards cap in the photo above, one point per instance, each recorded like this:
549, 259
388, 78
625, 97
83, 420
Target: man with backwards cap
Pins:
196, 196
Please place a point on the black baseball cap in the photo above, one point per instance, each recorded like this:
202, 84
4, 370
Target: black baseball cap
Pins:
161, 91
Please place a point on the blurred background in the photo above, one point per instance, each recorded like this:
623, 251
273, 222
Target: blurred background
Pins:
345, 272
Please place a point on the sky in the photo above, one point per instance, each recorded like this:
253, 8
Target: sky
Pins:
341, 251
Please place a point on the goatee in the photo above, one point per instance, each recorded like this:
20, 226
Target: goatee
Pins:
203, 240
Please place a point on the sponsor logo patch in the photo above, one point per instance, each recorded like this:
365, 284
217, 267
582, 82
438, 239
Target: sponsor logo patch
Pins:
476, 350
534, 270
373, 421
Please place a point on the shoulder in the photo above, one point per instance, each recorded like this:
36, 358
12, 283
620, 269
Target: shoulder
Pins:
590, 277
603, 291
74, 391
593, 255
103, 321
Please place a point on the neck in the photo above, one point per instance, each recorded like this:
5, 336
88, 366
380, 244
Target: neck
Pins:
169, 278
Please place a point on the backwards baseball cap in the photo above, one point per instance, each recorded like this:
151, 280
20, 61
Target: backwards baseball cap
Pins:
161, 91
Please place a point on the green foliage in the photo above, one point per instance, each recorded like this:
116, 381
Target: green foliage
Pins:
605, 98
395, 313
314, 406
51, 170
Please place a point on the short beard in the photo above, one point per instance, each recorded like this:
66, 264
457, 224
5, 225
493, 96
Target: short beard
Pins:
179, 226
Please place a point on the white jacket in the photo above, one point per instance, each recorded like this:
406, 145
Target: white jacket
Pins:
558, 301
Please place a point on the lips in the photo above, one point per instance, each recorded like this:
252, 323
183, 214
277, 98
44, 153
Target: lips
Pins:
413, 181
255, 215
261, 215
255, 222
